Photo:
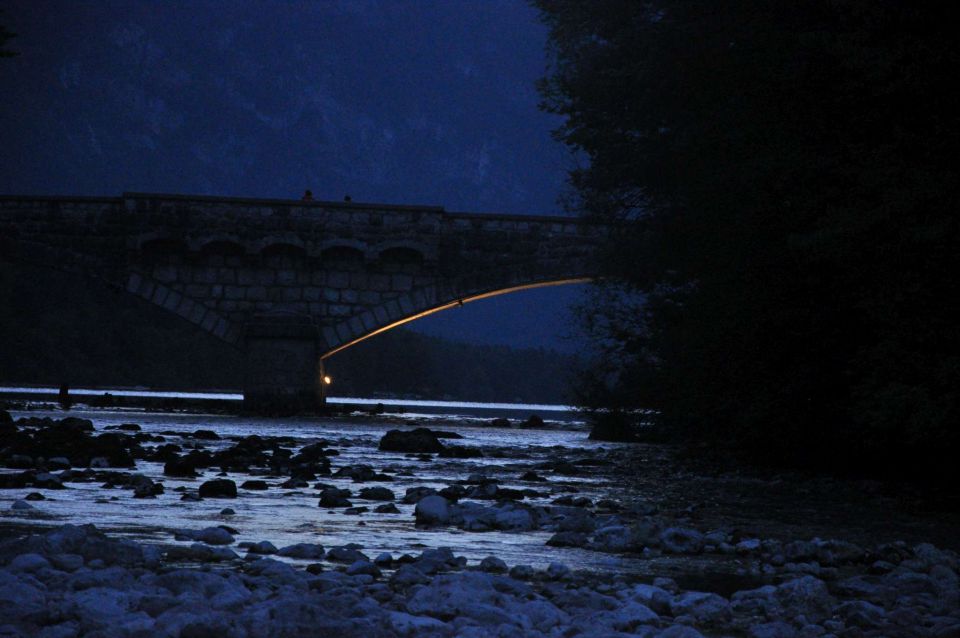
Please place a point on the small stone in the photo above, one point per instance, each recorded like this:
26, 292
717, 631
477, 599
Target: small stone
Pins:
227, 511
386, 508
21, 505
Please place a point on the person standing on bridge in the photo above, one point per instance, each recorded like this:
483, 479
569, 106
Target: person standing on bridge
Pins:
307, 196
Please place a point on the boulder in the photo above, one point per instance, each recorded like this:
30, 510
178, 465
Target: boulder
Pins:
416, 440
493, 565
432, 510
377, 494
254, 485
180, 467
218, 488
308, 551
334, 497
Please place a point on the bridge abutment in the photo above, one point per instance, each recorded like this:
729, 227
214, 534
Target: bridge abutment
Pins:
283, 370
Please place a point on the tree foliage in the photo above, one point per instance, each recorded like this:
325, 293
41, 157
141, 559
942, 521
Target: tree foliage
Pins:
6, 36
789, 170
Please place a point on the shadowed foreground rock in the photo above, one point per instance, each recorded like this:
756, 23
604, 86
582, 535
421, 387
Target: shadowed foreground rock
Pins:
76, 581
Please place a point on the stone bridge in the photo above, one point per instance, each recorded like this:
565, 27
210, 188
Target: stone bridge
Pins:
292, 282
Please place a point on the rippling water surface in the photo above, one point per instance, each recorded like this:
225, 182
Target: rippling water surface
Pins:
285, 516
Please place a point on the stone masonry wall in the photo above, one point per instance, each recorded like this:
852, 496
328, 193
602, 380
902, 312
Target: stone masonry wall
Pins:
222, 263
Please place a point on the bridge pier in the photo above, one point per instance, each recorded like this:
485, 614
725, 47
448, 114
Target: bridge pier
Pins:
282, 370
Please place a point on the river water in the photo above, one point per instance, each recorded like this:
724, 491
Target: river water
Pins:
286, 516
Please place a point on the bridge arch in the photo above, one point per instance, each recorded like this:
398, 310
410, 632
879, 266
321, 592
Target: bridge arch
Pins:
427, 300
132, 280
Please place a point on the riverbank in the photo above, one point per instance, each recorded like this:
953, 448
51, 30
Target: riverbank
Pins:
548, 532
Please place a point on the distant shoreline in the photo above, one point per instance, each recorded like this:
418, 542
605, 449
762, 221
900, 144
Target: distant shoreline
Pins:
227, 401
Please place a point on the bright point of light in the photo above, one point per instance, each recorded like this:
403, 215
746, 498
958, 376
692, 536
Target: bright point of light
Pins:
327, 379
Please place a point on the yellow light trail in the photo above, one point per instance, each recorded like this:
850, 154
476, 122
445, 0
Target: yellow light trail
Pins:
456, 302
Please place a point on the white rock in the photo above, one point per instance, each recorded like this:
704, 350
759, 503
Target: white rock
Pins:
409, 625
29, 563
18, 597
776, 629
807, 596
629, 616
703, 606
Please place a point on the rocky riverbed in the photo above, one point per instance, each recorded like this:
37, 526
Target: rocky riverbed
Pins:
472, 534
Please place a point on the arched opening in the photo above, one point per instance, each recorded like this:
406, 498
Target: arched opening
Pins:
419, 313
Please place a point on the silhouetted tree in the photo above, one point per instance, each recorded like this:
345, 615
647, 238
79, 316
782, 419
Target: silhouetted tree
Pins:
6, 36
790, 171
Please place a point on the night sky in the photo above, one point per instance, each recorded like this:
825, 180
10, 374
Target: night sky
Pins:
398, 102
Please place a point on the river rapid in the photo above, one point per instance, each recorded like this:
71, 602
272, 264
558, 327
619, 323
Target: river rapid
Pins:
288, 516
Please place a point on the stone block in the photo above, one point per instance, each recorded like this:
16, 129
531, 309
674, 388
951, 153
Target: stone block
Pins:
331, 294
318, 278
349, 296
266, 277
393, 310
343, 333
235, 292
359, 280
369, 297
338, 310
406, 305
216, 291
220, 330
199, 311
317, 308
133, 284
380, 282
198, 291
226, 275
172, 301
246, 277
160, 295
369, 321
146, 289
383, 318
330, 336
401, 283
165, 274
256, 293
292, 294
286, 277
312, 293
356, 326
205, 275
338, 280
185, 308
